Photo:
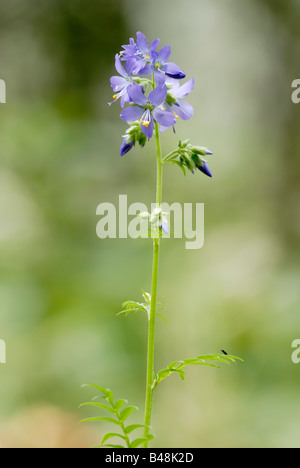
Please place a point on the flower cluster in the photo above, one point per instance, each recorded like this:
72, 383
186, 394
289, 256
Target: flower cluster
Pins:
148, 88
190, 157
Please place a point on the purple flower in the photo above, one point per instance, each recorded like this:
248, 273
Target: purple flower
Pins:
162, 68
174, 102
205, 169
144, 60
120, 84
138, 54
147, 111
126, 146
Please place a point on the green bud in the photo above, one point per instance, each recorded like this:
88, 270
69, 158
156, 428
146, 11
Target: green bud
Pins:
199, 150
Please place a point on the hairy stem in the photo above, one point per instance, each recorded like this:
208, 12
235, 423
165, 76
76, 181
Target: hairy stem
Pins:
151, 330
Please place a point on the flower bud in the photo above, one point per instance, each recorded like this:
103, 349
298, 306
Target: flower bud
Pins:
205, 169
126, 146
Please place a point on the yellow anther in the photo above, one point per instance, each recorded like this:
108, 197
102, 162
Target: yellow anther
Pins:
115, 96
117, 87
177, 116
147, 57
146, 123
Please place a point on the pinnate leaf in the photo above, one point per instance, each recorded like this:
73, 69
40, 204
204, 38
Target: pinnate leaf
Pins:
203, 360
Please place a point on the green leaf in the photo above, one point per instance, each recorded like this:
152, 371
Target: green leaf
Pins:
111, 420
147, 297
177, 366
174, 364
133, 427
221, 358
110, 435
105, 391
138, 442
125, 413
132, 306
119, 404
162, 317
98, 405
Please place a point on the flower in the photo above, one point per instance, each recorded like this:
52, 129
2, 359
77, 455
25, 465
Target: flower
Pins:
174, 102
139, 54
162, 68
144, 59
121, 83
147, 110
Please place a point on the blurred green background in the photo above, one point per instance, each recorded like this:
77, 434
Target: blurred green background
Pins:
61, 287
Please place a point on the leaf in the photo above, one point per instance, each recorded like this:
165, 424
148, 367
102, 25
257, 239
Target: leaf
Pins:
110, 435
133, 427
98, 405
147, 297
221, 358
105, 391
177, 366
108, 394
111, 420
162, 317
125, 413
132, 306
174, 364
119, 404
138, 442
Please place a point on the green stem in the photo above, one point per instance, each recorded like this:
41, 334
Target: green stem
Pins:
151, 330
125, 435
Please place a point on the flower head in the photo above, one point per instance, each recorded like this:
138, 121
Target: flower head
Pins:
149, 84
145, 60
147, 110
138, 54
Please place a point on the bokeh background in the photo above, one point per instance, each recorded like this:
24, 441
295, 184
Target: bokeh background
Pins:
61, 287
